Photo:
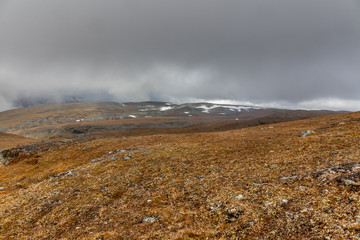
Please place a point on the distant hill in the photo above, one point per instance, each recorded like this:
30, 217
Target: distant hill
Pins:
143, 118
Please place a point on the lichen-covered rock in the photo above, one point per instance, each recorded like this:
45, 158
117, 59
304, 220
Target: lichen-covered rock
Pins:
306, 133
4, 157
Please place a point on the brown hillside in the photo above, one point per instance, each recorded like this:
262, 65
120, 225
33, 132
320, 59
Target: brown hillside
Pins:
11, 140
263, 182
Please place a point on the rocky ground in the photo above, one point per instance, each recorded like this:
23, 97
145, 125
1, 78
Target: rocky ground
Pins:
293, 180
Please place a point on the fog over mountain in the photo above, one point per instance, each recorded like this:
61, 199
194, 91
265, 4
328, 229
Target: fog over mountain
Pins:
278, 53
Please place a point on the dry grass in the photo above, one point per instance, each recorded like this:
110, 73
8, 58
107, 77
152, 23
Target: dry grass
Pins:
252, 183
11, 140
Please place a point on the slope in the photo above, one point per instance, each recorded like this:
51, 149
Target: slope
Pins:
262, 182
11, 140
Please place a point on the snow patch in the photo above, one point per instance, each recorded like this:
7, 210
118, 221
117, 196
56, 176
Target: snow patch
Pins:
237, 108
132, 116
232, 108
165, 108
206, 108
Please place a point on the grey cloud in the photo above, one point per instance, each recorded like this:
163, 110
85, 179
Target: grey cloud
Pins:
248, 50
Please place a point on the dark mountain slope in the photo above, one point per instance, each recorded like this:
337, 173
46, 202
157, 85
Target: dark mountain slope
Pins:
72, 119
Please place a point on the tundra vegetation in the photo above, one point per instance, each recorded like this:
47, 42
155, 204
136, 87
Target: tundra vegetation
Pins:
260, 182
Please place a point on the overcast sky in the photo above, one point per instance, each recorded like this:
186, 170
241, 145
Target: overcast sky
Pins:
280, 53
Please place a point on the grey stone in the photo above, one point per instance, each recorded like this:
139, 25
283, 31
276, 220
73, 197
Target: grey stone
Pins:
288, 177
96, 160
149, 219
259, 184
66, 173
349, 182
239, 197
306, 133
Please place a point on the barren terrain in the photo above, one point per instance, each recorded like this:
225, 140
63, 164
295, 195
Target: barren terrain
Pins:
145, 118
261, 182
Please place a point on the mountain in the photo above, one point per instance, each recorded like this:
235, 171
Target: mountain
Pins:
144, 118
290, 180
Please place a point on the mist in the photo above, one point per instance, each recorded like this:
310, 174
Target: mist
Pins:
279, 53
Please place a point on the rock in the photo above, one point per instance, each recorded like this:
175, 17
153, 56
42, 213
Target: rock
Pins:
96, 160
128, 157
216, 206
271, 151
86, 148
259, 184
66, 173
4, 158
306, 133
234, 214
1, 188
239, 197
351, 182
341, 123
288, 177
149, 219
200, 176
